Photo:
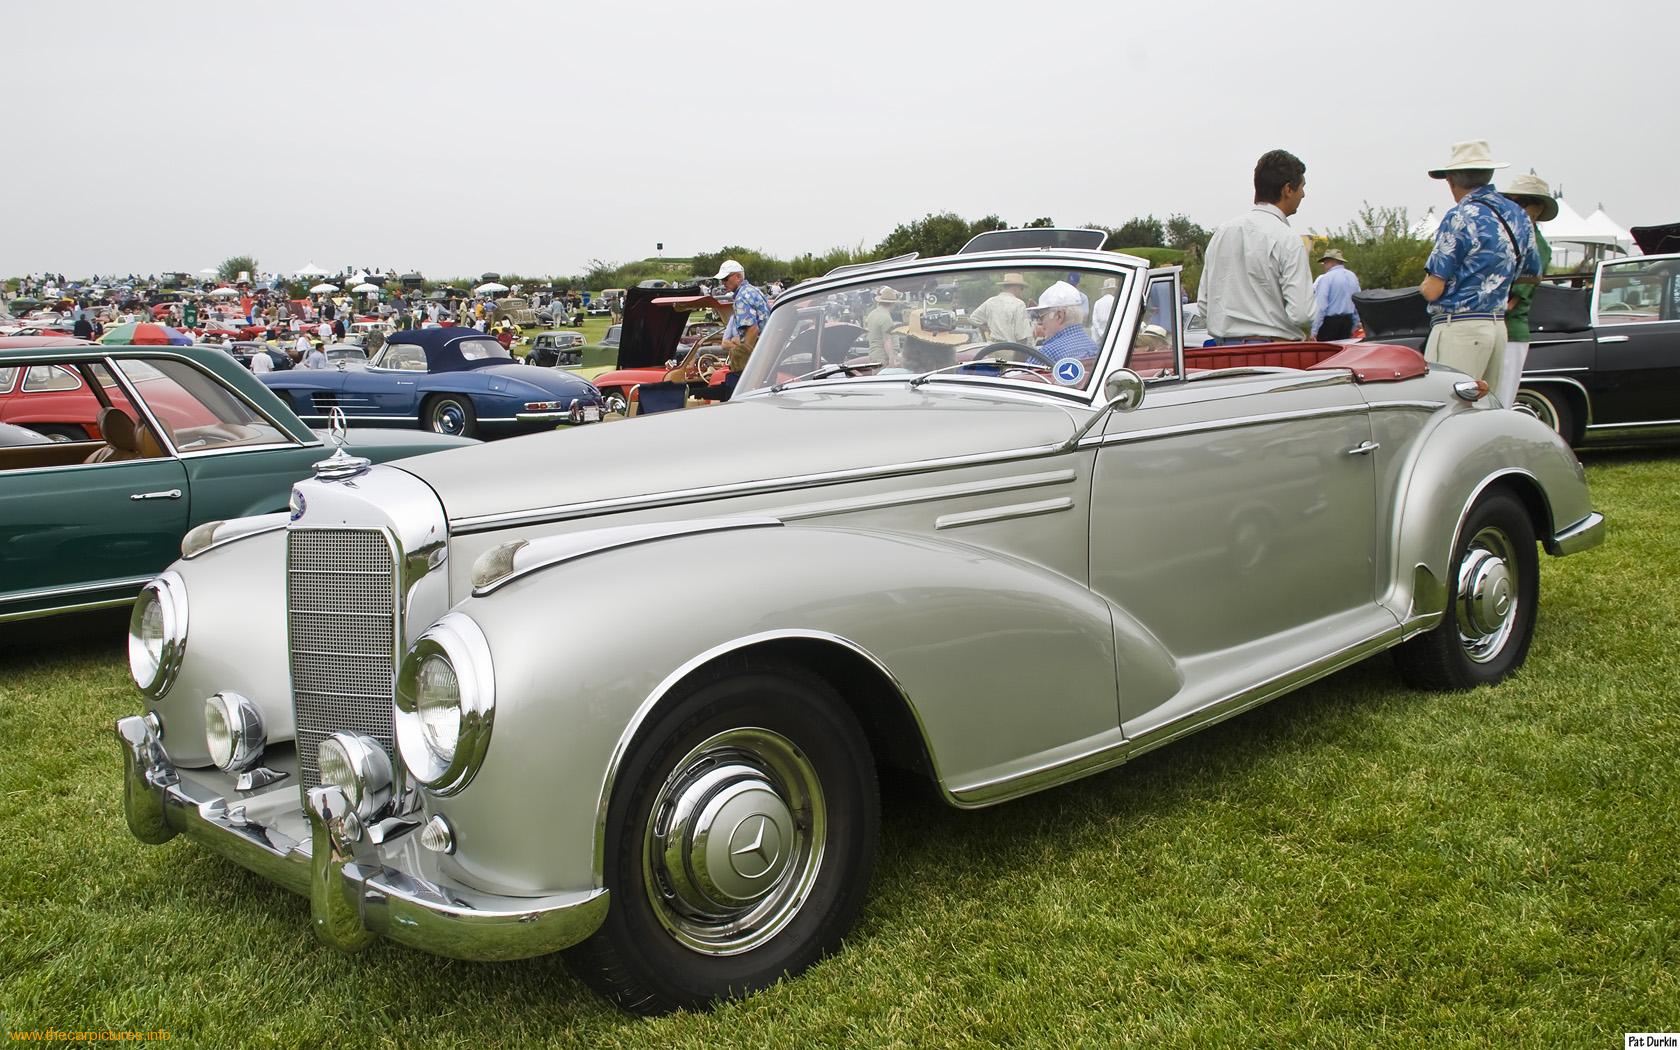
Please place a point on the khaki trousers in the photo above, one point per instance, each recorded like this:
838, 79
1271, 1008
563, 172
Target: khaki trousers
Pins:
1476, 348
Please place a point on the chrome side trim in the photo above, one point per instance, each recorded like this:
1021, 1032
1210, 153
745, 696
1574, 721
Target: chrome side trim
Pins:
634, 725
35, 614
1635, 426
991, 514
566, 511
931, 494
536, 555
1224, 424
1583, 535
988, 793
80, 588
1421, 406
1554, 371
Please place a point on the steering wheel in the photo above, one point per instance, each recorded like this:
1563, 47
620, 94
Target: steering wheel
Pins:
1039, 357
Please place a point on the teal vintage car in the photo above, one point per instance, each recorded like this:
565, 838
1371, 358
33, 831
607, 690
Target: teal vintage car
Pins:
186, 436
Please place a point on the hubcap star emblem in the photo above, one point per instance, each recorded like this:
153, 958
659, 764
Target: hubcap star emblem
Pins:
754, 857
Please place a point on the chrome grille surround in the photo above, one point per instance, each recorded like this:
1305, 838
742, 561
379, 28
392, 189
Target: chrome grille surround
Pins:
345, 637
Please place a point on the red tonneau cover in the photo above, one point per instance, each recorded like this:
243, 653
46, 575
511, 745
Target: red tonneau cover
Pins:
1369, 362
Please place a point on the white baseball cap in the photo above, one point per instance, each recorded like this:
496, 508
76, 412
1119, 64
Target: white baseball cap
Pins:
1056, 297
729, 266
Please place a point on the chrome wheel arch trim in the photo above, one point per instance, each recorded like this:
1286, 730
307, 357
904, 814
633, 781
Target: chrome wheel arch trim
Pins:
1557, 380
1546, 529
639, 718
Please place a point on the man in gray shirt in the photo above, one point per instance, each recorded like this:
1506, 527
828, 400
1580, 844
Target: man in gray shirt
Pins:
1256, 281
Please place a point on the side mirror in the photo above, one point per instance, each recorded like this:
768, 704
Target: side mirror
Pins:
1123, 390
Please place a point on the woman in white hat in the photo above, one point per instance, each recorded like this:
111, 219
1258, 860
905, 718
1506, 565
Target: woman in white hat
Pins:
1531, 193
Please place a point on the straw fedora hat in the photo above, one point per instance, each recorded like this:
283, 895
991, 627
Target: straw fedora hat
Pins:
1333, 253
1014, 279
888, 295
1470, 155
1526, 188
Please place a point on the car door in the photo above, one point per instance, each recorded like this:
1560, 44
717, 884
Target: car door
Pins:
1636, 322
80, 533
1233, 517
388, 390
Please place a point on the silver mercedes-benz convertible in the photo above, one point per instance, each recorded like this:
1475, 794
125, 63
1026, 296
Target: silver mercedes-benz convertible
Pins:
625, 690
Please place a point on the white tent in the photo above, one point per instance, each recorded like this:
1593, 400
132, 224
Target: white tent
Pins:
311, 271
1569, 226
1604, 226
1581, 242
323, 288
1426, 228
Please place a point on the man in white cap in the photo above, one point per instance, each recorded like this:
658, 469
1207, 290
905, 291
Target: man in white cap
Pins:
1484, 242
746, 320
1334, 314
1059, 319
1003, 317
1530, 193
1256, 282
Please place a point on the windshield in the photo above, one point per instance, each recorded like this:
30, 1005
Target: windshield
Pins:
1041, 325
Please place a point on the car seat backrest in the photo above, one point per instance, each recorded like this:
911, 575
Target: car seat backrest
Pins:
122, 438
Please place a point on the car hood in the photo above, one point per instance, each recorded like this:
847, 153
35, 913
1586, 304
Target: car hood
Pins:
382, 446
756, 440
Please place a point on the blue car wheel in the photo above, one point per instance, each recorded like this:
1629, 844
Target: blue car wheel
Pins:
450, 414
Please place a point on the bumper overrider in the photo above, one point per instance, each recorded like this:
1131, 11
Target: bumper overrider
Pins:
355, 895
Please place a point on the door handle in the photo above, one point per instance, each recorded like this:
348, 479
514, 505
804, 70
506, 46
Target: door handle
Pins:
1612, 339
165, 494
1364, 449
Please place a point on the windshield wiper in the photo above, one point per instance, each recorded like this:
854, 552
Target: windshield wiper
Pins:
817, 373
926, 376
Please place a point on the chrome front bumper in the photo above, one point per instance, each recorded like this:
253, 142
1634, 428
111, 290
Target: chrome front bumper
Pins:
354, 894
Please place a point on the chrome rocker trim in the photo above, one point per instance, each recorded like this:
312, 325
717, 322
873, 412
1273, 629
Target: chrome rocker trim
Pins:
353, 896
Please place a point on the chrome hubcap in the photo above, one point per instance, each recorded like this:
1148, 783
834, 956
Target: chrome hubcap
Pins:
734, 841
1487, 595
448, 418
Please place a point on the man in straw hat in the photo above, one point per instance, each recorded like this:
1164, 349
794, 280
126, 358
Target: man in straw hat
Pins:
1003, 317
1530, 193
878, 325
1484, 242
1334, 314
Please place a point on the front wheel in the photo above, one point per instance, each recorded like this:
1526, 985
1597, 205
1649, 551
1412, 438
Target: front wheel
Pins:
450, 414
739, 843
1495, 591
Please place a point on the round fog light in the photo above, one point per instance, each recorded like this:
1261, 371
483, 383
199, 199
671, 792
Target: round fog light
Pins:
233, 732
358, 767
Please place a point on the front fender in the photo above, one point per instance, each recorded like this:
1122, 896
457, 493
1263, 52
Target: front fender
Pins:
236, 640
1453, 464
999, 659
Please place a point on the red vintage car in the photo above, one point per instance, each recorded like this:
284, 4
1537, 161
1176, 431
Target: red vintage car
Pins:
652, 331
55, 400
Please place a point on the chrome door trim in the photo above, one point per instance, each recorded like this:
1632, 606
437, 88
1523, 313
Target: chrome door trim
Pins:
1261, 419
1635, 426
566, 511
932, 494
1554, 371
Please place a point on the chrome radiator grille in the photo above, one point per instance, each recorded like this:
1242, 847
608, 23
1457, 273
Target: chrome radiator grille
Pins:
341, 619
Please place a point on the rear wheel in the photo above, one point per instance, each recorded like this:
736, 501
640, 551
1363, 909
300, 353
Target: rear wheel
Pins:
1495, 589
450, 414
739, 842
615, 400
1551, 407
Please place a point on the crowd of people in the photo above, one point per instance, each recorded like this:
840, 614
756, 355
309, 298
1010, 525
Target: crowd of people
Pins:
1487, 256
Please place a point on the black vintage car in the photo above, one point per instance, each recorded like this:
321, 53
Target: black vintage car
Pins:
1604, 360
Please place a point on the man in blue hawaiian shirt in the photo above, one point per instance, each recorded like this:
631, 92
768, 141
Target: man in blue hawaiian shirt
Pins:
1059, 320
746, 320
1483, 244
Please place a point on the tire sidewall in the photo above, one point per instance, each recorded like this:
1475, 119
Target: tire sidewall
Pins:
824, 730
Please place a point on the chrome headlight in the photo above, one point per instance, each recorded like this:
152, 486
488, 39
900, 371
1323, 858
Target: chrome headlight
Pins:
445, 703
233, 732
157, 634
358, 767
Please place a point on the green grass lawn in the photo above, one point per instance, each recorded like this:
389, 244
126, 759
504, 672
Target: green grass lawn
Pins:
1354, 864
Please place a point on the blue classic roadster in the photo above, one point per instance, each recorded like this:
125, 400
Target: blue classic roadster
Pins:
446, 380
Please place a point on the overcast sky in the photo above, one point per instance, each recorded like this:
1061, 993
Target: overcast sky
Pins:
457, 137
